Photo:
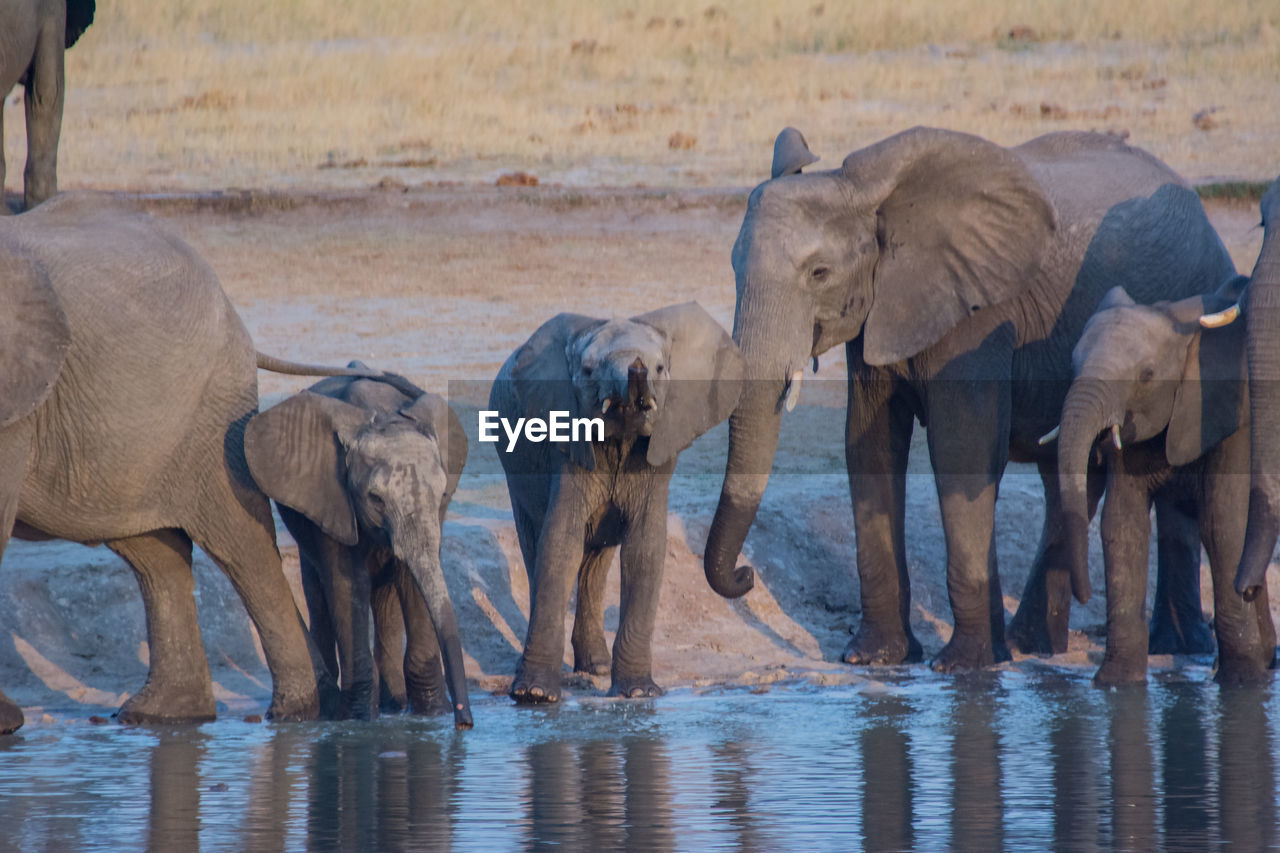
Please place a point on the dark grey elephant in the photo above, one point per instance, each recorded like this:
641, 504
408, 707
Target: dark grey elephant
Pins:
959, 275
126, 385
658, 381
362, 471
33, 36
1167, 402
1262, 316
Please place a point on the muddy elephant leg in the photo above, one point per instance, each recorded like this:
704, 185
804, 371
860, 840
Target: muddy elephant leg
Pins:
43, 99
1040, 625
1126, 538
968, 447
388, 647
178, 687
236, 529
644, 552
590, 650
878, 438
424, 671
559, 553
1178, 625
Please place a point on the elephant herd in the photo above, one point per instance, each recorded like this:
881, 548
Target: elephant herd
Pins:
1063, 302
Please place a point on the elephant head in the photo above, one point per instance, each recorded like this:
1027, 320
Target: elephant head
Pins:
1143, 370
669, 375
908, 238
1261, 307
372, 480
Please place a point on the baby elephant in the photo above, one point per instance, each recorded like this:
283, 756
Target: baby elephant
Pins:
1171, 403
657, 382
362, 471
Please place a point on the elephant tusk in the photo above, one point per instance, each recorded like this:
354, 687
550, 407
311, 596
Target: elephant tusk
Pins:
1115, 436
604, 407
1221, 318
1051, 435
793, 389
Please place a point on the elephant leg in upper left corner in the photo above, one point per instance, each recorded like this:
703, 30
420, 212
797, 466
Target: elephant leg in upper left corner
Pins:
44, 95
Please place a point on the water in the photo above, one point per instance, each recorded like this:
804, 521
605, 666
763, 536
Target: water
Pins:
1008, 759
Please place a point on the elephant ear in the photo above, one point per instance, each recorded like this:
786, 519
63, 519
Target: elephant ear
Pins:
440, 421
295, 453
1212, 399
34, 337
705, 378
542, 381
961, 225
79, 17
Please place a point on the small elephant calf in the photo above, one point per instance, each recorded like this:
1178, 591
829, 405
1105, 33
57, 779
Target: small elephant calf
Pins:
1171, 402
657, 381
362, 471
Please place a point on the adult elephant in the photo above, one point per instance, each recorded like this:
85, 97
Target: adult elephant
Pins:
959, 275
33, 36
1262, 341
126, 381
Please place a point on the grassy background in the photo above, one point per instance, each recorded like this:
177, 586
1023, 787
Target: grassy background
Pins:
215, 93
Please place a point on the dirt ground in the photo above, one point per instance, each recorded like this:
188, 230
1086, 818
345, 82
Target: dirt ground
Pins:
441, 284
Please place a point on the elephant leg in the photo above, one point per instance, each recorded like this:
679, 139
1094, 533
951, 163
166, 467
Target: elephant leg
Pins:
424, 672
321, 623
1178, 625
388, 648
644, 552
559, 552
346, 579
878, 439
968, 447
234, 526
590, 650
178, 688
1040, 624
4, 206
13, 464
43, 99
1126, 538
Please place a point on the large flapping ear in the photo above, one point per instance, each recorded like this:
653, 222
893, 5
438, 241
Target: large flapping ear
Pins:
1212, 397
705, 378
295, 454
961, 225
443, 424
542, 381
34, 337
790, 153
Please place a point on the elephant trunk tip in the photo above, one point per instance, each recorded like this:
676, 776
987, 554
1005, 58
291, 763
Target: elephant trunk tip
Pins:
732, 584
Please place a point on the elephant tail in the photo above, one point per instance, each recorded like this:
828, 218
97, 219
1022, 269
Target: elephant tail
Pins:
79, 17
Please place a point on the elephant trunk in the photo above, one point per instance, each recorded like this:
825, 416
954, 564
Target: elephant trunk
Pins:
1086, 412
422, 556
1262, 315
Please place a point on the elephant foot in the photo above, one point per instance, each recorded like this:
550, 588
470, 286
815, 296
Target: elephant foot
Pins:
1121, 670
1196, 638
191, 705
428, 695
638, 687
285, 709
535, 685
965, 652
1039, 633
1243, 670
871, 647
391, 701
11, 718
594, 661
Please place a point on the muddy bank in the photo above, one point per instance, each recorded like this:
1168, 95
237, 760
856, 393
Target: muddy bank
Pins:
441, 285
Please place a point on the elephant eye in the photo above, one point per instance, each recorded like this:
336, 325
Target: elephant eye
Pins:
661, 369
376, 501
587, 370
1147, 374
819, 273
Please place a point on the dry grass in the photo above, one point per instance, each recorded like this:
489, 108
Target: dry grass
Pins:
204, 94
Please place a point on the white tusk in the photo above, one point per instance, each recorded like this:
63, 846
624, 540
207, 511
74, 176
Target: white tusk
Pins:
1222, 318
793, 389
1115, 436
1051, 435
604, 407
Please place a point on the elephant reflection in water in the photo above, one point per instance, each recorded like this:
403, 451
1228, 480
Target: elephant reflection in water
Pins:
977, 803
175, 790
888, 792
601, 795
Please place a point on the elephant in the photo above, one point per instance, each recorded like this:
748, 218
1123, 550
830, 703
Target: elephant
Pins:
1170, 400
127, 382
654, 382
362, 471
33, 36
959, 275
1261, 307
